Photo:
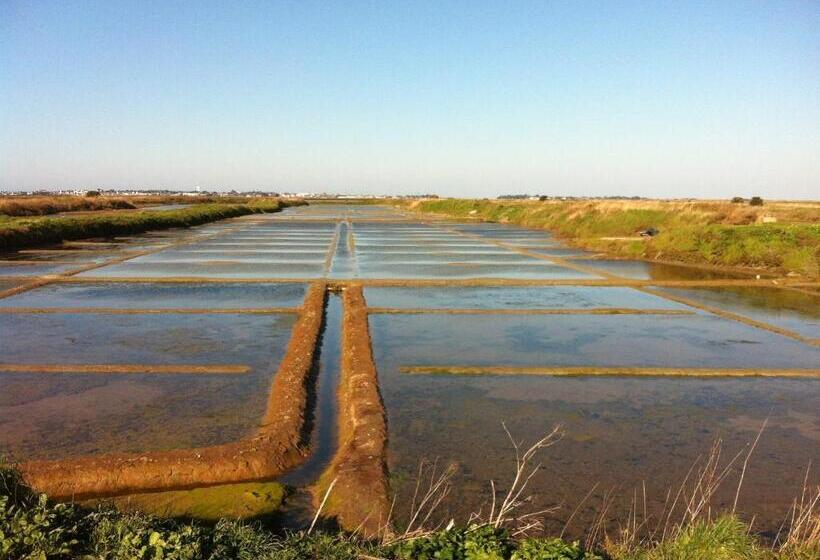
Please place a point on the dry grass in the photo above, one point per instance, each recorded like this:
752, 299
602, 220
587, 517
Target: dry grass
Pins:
692, 525
801, 529
692, 512
20, 206
46, 205
508, 510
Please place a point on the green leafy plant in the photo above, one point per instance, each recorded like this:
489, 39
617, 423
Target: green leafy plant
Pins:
551, 549
131, 537
482, 542
34, 529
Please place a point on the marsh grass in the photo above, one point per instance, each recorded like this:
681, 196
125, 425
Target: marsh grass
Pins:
46, 205
695, 232
20, 206
17, 233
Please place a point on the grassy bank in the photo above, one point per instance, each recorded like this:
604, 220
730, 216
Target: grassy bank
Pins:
18, 233
33, 527
153, 199
18, 206
46, 205
778, 237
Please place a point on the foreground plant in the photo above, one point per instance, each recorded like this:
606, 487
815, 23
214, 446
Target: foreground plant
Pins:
33, 527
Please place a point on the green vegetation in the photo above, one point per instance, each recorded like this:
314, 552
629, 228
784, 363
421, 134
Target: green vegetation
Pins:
723, 539
45, 205
17, 233
33, 527
721, 234
485, 542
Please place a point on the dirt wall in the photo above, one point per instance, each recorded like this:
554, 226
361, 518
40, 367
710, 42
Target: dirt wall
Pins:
359, 498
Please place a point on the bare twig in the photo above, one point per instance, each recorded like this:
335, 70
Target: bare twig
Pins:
322, 505
523, 474
578, 507
746, 462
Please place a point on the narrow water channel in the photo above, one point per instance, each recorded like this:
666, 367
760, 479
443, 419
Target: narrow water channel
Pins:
297, 511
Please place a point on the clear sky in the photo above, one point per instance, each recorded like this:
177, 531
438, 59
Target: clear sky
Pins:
671, 99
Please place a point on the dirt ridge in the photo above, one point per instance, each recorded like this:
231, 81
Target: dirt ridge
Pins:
359, 497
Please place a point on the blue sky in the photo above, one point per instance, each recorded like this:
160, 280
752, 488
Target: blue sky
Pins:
669, 99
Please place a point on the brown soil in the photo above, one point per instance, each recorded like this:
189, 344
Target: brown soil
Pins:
359, 498
275, 447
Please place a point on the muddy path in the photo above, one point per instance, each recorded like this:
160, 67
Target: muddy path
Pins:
358, 500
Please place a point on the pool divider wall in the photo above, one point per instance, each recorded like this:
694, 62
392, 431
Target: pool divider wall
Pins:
429, 282
150, 311
579, 371
331, 250
359, 498
276, 446
556, 311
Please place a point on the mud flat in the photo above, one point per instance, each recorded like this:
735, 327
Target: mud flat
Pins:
358, 499
275, 447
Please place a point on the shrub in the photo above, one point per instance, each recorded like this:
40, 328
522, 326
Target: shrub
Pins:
327, 546
134, 536
31, 527
36, 530
473, 543
724, 539
756, 201
551, 549
239, 541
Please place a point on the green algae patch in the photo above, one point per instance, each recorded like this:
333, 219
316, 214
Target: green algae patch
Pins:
233, 501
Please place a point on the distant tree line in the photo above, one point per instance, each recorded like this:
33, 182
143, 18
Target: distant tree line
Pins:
754, 201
